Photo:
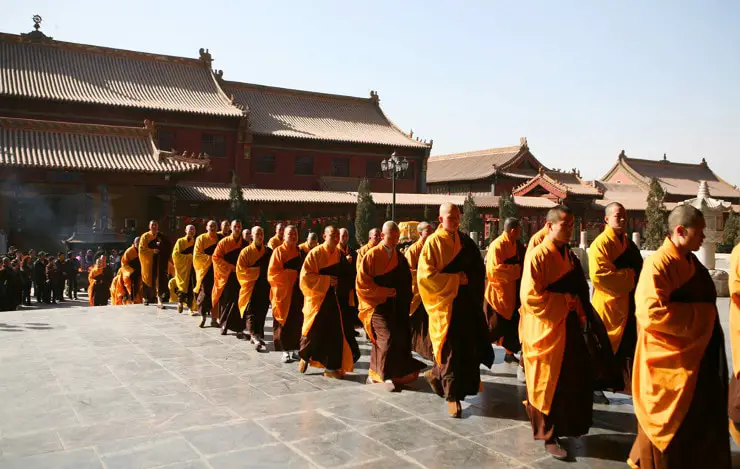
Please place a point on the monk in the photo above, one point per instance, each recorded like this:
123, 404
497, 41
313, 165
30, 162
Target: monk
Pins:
276, 240
503, 271
312, 240
347, 296
154, 265
286, 295
537, 238
451, 278
205, 245
225, 229
323, 343
384, 292
182, 258
420, 341
126, 287
373, 240
226, 286
679, 380
556, 359
99, 278
734, 284
247, 236
615, 263
254, 299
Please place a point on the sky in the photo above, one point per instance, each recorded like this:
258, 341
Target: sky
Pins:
582, 80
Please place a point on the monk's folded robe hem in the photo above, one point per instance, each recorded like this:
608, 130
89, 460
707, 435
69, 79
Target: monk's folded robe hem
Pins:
286, 297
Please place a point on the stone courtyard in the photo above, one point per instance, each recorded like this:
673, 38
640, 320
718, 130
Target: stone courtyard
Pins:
133, 387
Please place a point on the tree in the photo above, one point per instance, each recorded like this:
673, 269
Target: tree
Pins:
365, 214
471, 221
656, 227
237, 204
506, 209
388, 212
429, 214
731, 234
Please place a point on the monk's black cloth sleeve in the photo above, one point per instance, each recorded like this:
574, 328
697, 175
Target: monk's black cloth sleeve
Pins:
335, 270
630, 258
188, 250
232, 256
210, 249
294, 264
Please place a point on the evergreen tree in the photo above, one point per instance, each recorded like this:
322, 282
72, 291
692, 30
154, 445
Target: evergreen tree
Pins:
656, 227
365, 214
429, 214
388, 212
506, 209
237, 204
471, 221
731, 234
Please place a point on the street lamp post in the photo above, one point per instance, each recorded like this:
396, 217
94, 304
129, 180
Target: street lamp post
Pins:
391, 168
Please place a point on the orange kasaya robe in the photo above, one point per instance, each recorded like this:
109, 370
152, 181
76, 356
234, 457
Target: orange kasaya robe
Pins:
734, 284
672, 338
282, 281
182, 262
304, 248
412, 257
502, 276
226, 249
123, 284
612, 286
274, 242
94, 277
362, 251
202, 262
315, 287
146, 257
247, 272
375, 262
537, 238
348, 255
542, 325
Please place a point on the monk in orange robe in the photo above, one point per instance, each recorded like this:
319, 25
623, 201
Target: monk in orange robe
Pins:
286, 295
614, 266
182, 263
451, 277
126, 286
373, 240
312, 240
347, 296
99, 279
225, 229
205, 246
420, 341
276, 240
679, 381
254, 299
153, 247
384, 290
734, 284
323, 343
537, 238
503, 272
226, 286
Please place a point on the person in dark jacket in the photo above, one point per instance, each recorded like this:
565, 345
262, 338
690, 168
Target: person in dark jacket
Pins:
39, 277
72, 267
26, 272
53, 279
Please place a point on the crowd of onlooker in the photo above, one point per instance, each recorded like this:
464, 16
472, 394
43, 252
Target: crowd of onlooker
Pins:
47, 277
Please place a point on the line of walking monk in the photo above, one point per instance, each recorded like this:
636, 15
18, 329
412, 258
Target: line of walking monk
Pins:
649, 330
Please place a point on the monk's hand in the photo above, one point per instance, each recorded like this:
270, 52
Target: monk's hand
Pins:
463, 278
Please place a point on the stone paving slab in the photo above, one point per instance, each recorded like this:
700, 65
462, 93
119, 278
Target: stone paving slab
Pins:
134, 387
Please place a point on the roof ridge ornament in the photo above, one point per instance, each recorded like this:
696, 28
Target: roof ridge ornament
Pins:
622, 155
36, 34
374, 98
665, 158
205, 57
523, 142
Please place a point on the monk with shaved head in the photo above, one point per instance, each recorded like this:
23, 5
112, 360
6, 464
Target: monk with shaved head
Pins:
384, 290
226, 285
286, 295
679, 384
254, 297
373, 240
154, 256
451, 277
420, 342
276, 240
205, 245
312, 240
182, 258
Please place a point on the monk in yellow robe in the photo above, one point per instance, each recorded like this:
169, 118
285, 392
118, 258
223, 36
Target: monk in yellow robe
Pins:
373, 240
226, 286
734, 284
99, 278
205, 246
451, 277
152, 248
126, 287
503, 272
225, 229
286, 295
182, 260
276, 240
312, 240
679, 381
614, 266
420, 341
347, 296
247, 236
254, 299
537, 238
384, 291
557, 361
323, 343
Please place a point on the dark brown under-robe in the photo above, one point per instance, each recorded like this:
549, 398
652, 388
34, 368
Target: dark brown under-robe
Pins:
420, 341
325, 340
259, 303
287, 337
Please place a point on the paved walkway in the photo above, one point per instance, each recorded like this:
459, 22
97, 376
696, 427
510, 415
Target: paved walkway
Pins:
133, 387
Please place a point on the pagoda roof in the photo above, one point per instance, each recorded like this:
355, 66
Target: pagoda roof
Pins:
283, 112
559, 183
480, 164
35, 66
88, 147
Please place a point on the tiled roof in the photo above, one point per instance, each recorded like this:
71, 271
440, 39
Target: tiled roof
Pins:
473, 165
87, 147
284, 112
562, 183
675, 178
68, 72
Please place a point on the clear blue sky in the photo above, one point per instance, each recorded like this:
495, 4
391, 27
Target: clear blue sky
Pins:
580, 79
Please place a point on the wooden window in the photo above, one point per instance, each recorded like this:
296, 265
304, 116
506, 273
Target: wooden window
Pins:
165, 139
213, 145
340, 167
303, 165
264, 163
372, 169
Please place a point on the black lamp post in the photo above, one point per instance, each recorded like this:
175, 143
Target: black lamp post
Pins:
391, 168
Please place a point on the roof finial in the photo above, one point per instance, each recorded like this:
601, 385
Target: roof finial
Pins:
621, 154
703, 162
36, 33
665, 158
205, 57
411, 133
374, 98
523, 142
541, 170
37, 22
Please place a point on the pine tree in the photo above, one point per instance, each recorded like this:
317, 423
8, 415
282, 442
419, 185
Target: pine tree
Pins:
506, 209
656, 227
731, 234
237, 204
471, 221
365, 214
429, 214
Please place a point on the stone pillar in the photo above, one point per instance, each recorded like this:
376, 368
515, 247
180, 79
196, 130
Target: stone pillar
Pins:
474, 237
584, 240
706, 254
636, 238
